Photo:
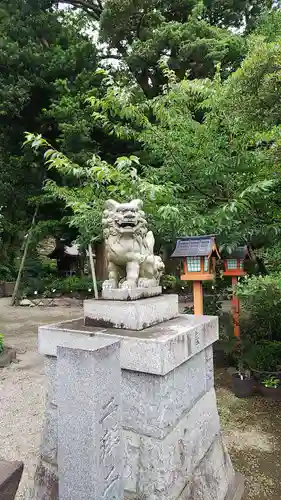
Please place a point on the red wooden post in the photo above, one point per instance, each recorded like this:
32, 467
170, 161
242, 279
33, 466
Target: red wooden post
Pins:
198, 297
235, 310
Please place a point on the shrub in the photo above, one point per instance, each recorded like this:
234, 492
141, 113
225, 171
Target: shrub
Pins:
260, 298
168, 281
212, 304
37, 276
7, 273
271, 257
70, 285
174, 283
265, 356
1, 343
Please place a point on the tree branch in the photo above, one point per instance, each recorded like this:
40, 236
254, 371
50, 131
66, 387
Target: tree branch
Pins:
139, 25
94, 10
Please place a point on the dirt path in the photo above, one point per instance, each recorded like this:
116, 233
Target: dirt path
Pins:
22, 385
251, 428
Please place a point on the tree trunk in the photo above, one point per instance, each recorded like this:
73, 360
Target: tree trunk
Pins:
101, 263
25, 251
93, 271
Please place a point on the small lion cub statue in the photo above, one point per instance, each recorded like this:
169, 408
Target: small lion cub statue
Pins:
129, 247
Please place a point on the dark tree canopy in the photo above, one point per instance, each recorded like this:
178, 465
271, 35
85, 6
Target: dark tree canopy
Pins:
173, 55
40, 54
194, 36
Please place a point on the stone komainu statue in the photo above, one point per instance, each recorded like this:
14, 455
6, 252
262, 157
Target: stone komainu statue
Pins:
129, 247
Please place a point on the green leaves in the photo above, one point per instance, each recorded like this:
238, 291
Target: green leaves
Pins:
168, 212
195, 137
47, 70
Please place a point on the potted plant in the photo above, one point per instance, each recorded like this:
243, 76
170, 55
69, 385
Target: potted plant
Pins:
270, 387
243, 383
264, 360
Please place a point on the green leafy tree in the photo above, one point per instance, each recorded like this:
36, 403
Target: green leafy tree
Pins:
243, 14
139, 33
44, 59
226, 167
219, 174
96, 182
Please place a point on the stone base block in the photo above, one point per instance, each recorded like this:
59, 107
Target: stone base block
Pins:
171, 429
90, 447
50, 435
160, 468
153, 405
236, 490
131, 293
157, 350
213, 477
130, 315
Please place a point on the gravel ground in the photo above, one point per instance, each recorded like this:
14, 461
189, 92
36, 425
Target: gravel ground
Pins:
252, 433
22, 385
251, 428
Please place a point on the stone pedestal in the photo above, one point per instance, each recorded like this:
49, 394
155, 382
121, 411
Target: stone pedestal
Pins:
130, 314
131, 293
171, 428
90, 451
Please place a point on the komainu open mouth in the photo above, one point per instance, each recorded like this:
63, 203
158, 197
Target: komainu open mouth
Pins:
127, 225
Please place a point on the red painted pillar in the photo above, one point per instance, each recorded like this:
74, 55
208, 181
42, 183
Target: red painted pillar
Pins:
198, 297
235, 310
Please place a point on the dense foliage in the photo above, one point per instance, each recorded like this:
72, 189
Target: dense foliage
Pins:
46, 65
218, 174
50, 286
192, 34
176, 102
261, 300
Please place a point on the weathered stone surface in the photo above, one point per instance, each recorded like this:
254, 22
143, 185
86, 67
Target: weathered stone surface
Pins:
90, 451
209, 367
236, 489
214, 476
152, 405
50, 365
130, 293
157, 350
10, 476
130, 315
169, 415
49, 444
131, 459
45, 483
165, 464
26, 303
